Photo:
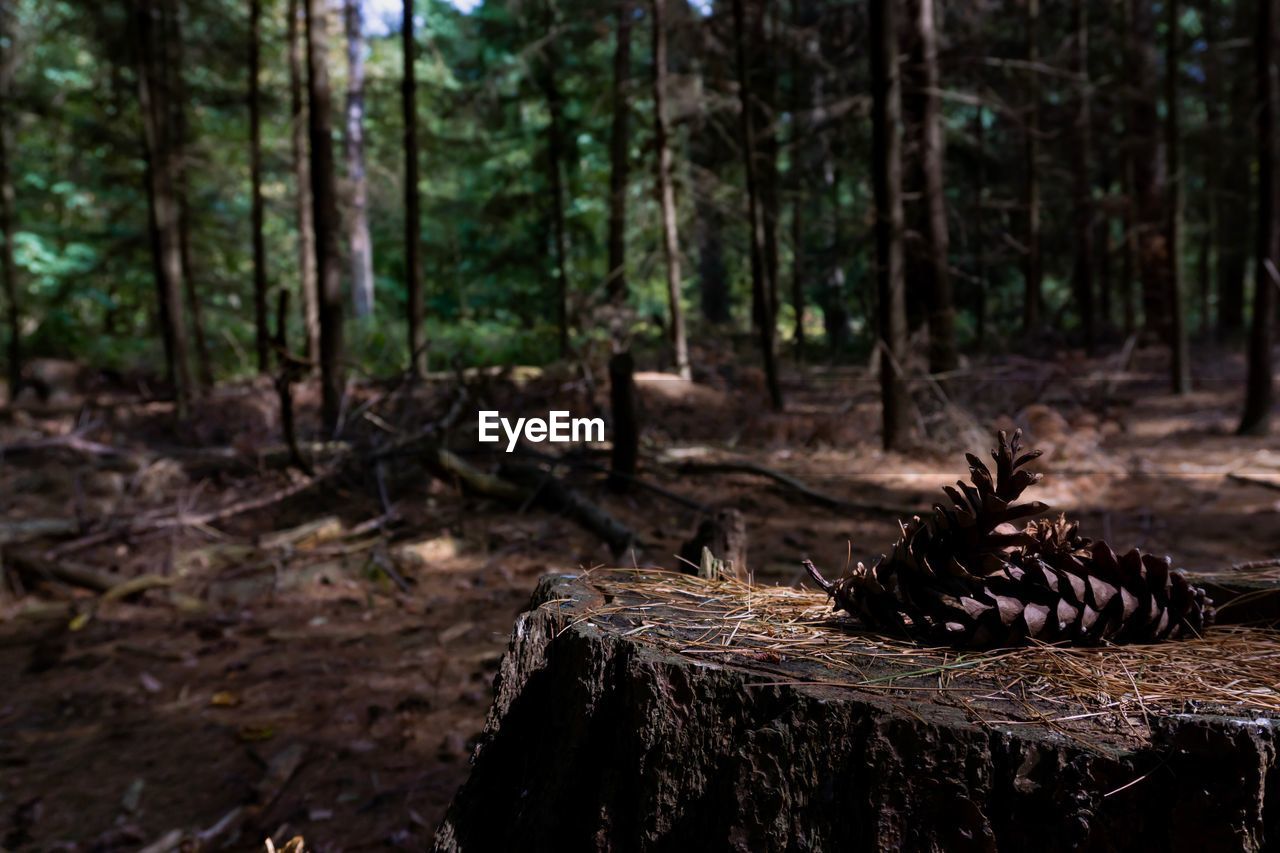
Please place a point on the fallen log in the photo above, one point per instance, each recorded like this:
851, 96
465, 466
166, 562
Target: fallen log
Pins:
648, 711
800, 488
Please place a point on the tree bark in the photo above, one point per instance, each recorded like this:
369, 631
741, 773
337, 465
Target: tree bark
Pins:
667, 192
361, 247
1151, 214
302, 191
979, 226
626, 422
796, 175
886, 169
602, 738
555, 176
1259, 383
761, 288
412, 198
162, 168
942, 321
1033, 298
619, 159
1212, 166
9, 273
324, 201
263, 339
1180, 362
1236, 222
1082, 272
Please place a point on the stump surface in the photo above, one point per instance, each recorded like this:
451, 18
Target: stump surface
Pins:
660, 712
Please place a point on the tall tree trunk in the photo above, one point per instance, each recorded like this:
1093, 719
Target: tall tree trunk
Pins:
357, 184
667, 191
9, 273
760, 285
162, 169
1151, 215
1212, 167
886, 170
1103, 249
555, 174
412, 215
1259, 392
619, 161
1236, 223
979, 226
1180, 362
255, 171
302, 190
796, 175
942, 320
1034, 298
1082, 273
174, 64
324, 202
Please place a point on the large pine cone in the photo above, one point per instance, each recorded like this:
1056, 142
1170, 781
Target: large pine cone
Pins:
967, 577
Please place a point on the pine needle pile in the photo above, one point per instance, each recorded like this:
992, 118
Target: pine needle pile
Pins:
967, 577
788, 636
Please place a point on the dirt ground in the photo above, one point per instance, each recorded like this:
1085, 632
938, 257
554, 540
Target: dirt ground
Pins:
321, 665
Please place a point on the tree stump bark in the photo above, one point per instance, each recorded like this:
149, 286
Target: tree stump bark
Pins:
601, 738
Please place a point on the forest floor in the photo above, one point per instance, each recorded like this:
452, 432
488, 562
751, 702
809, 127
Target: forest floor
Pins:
321, 664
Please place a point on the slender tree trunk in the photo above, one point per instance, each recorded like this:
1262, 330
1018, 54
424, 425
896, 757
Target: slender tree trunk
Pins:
555, 175
162, 168
619, 161
1212, 168
1082, 273
324, 201
666, 190
1259, 391
942, 320
979, 226
358, 186
760, 286
1181, 360
173, 65
795, 176
1034, 298
1236, 223
1151, 210
412, 215
886, 170
626, 422
1103, 249
9, 273
302, 191
255, 171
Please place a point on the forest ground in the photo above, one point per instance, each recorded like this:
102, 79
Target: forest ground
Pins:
331, 682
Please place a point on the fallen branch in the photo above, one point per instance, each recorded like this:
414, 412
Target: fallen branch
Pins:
23, 530
813, 495
112, 587
1254, 481
550, 492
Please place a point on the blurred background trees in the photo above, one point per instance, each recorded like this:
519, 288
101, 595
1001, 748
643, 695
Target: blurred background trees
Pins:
1070, 173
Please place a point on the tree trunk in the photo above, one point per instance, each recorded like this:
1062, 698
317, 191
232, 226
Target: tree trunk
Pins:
357, 184
1256, 419
1151, 214
162, 168
760, 285
886, 170
942, 320
979, 226
796, 176
324, 202
626, 422
1180, 363
1082, 273
9, 273
1033, 298
255, 172
1236, 222
555, 177
412, 216
619, 161
604, 737
666, 191
173, 65
1212, 166
302, 191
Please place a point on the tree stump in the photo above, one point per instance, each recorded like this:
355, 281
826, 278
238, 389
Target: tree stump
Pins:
654, 711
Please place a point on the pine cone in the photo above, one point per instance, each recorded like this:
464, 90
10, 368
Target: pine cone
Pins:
967, 577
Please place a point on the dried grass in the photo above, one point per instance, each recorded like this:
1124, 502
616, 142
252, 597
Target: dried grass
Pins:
1232, 669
